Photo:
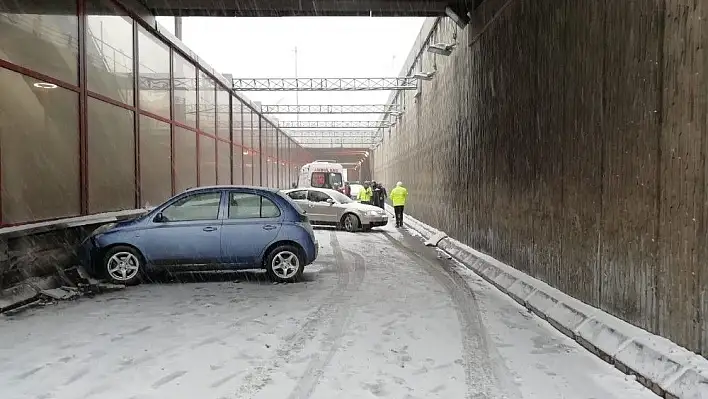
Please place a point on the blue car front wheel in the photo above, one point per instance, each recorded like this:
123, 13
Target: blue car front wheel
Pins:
123, 265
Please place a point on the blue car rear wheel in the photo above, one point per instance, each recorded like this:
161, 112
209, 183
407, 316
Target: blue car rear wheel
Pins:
285, 264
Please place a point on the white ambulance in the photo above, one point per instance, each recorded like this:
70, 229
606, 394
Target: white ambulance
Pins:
321, 174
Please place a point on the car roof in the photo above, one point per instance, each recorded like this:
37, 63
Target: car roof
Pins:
230, 187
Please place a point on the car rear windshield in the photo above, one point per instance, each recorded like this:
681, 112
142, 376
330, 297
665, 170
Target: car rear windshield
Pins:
291, 202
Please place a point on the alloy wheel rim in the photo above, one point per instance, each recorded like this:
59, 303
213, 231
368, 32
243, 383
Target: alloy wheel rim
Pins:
123, 266
285, 264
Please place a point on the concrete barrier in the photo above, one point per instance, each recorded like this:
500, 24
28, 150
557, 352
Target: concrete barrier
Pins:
664, 367
39, 256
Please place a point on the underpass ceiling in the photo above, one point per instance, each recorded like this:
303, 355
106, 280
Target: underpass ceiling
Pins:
277, 8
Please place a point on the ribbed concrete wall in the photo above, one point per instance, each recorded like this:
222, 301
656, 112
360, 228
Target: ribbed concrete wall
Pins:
568, 139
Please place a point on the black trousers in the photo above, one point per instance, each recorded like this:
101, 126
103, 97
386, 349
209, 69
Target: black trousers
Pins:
398, 210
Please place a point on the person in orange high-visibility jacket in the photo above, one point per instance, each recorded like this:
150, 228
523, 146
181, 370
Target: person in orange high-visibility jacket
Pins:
398, 197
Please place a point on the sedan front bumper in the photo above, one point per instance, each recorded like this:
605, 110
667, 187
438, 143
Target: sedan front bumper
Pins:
375, 221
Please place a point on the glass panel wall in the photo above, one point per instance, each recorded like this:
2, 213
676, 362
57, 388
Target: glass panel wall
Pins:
207, 104
185, 152
250, 129
46, 43
223, 114
248, 167
153, 74
185, 86
257, 176
237, 136
109, 51
207, 161
111, 157
237, 117
223, 156
155, 161
39, 150
178, 146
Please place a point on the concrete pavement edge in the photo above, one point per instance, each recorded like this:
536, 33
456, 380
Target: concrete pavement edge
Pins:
666, 368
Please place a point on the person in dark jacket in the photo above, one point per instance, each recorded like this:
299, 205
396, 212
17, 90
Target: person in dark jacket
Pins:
380, 192
376, 190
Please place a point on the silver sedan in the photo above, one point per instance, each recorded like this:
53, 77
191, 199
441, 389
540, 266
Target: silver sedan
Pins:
330, 207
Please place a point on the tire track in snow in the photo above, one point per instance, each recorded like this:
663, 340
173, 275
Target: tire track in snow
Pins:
485, 374
293, 344
331, 341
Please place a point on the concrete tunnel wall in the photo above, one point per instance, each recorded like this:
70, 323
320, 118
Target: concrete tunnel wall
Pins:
568, 139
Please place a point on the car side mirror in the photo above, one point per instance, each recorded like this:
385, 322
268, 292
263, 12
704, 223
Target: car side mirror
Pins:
330, 201
159, 218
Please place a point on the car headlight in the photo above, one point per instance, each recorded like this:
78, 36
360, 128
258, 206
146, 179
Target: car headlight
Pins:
372, 213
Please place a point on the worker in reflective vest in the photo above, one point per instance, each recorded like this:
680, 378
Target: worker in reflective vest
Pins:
365, 194
398, 198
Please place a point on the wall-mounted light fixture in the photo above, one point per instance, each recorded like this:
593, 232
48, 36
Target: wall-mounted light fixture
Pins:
442, 48
424, 75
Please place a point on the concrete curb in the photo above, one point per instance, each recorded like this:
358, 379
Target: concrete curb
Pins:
667, 369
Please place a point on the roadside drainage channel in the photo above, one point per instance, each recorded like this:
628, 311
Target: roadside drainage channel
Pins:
664, 367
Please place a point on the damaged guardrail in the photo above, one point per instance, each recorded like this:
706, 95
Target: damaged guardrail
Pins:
666, 368
39, 261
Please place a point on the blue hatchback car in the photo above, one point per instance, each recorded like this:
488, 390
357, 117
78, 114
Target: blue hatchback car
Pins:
206, 228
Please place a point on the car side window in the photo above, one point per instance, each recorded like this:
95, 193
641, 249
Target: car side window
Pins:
318, 196
201, 206
251, 206
298, 195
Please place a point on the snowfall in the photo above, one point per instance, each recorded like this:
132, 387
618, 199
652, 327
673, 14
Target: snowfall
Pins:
378, 315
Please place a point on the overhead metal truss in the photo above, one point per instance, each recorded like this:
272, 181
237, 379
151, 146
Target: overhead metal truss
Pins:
331, 109
333, 133
335, 138
163, 83
325, 84
333, 124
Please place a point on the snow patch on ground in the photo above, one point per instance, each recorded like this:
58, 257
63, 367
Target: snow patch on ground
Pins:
378, 315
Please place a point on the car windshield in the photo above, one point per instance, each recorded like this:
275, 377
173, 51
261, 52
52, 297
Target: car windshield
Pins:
339, 197
326, 180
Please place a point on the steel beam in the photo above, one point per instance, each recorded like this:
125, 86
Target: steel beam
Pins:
325, 84
333, 124
331, 109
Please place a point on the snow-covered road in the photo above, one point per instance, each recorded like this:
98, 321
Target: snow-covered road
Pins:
378, 316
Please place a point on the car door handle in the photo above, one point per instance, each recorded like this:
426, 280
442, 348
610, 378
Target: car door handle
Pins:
210, 228
270, 227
